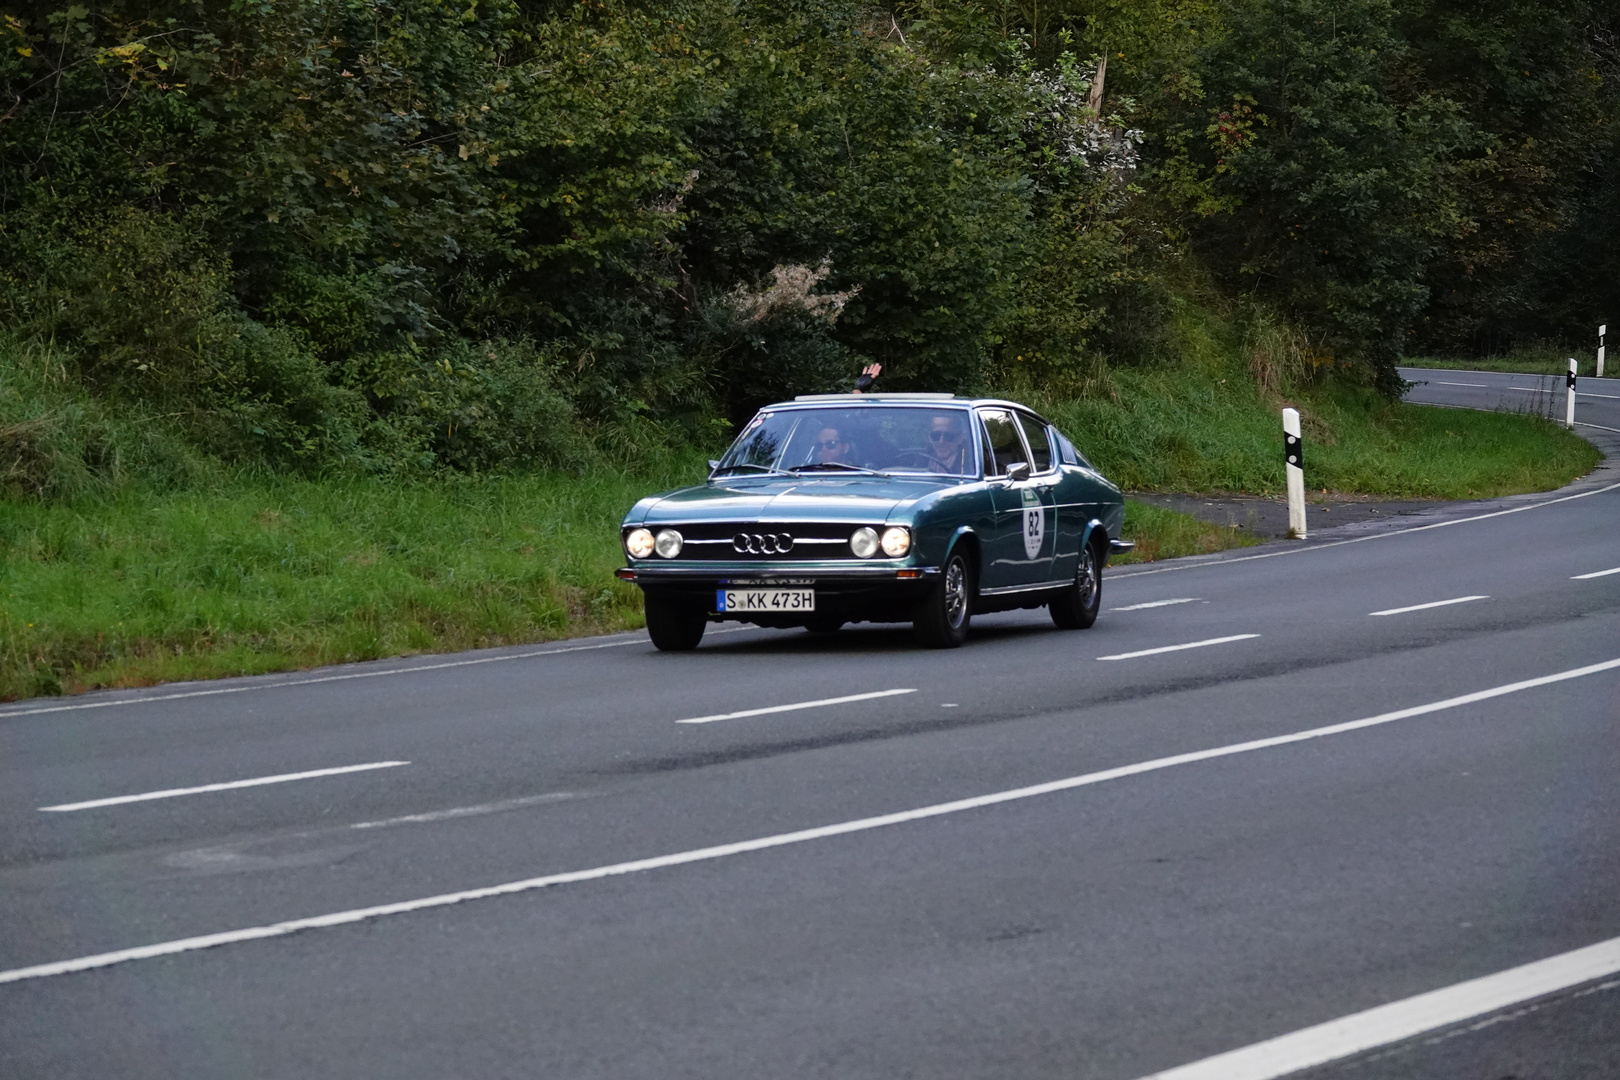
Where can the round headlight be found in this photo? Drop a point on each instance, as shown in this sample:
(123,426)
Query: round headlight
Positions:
(639,543)
(668,543)
(864,543)
(896,542)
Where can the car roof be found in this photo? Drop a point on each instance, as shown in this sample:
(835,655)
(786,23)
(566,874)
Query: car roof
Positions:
(901,399)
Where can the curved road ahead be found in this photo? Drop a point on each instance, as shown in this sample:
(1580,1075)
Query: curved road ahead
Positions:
(1268,791)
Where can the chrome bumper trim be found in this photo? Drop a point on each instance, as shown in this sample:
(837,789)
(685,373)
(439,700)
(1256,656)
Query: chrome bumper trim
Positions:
(760,573)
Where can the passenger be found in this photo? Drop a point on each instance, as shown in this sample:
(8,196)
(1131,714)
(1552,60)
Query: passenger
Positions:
(831,448)
(947,444)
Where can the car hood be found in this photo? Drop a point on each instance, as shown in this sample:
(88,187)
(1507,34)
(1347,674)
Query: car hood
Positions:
(818,498)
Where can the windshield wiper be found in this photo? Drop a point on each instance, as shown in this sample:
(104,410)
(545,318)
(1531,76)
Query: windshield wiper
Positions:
(837,465)
(749,465)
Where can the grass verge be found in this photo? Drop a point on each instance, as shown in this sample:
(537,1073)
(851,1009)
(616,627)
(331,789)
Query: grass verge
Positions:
(266,575)
(1168,534)
(1519,364)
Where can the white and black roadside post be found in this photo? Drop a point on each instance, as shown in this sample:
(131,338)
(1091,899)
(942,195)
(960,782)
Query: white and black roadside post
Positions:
(1569,383)
(1294,464)
(1604,329)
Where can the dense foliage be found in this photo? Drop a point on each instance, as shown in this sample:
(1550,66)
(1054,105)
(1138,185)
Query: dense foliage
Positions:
(394,235)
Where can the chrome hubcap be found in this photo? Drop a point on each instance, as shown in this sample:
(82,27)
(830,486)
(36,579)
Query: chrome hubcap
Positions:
(955,593)
(1086,580)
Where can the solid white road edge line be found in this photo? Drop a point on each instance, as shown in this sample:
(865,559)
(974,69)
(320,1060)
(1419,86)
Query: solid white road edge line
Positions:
(1400,1020)
(720,851)
(1430,604)
(797,705)
(259,781)
(1156,603)
(1178,648)
(639,640)
(1600,573)
(1442,382)
(1600,427)
(1375,536)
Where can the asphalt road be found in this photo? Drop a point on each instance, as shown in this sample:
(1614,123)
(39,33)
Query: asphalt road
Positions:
(1129,921)
(1597,401)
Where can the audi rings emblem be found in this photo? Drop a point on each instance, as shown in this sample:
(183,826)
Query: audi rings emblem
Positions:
(762,543)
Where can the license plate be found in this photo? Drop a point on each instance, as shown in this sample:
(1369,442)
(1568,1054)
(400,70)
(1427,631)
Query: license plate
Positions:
(765,600)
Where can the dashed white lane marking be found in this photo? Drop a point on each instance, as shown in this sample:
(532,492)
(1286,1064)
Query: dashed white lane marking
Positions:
(467,811)
(720,851)
(1400,1020)
(1156,603)
(1430,604)
(798,705)
(1178,648)
(1442,382)
(1598,573)
(1375,536)
(258,781)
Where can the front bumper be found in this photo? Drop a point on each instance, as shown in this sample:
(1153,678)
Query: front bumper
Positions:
(883,593)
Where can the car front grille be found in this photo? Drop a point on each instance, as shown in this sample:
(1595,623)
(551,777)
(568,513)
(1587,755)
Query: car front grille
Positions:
(764,541)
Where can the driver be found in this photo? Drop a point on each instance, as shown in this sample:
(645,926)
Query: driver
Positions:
(947,444)
(832,448)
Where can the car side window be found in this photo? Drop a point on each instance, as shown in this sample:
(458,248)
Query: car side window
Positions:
(1040,448)
(1003,447)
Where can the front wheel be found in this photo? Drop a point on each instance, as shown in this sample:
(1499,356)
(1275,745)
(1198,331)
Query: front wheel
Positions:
(672,627)
(942,615)
(1076,607)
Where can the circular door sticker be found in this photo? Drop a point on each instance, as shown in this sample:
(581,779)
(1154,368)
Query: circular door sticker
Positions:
(1034,524)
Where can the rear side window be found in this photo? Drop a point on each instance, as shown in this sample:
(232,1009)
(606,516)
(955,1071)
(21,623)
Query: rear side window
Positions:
(1003,447)
(1071,456)
(1040,449)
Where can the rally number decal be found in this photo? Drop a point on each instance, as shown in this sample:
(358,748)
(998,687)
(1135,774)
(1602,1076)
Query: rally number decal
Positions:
(1034,524)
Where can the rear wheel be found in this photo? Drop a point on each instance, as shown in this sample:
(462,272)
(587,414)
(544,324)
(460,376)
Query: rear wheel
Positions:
(672,627)
(1076,607)
(942,615)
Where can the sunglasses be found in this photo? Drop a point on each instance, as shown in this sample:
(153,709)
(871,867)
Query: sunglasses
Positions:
(830,444)
(945,436)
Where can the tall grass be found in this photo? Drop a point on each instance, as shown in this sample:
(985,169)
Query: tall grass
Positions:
(263,574)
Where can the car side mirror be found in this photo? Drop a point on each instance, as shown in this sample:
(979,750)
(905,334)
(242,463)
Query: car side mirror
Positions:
(713,464)
(1018,470)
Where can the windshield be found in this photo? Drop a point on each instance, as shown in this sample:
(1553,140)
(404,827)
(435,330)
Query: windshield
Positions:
(925,440)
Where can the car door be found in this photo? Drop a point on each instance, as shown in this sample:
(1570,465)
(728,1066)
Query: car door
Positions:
(1047,480)
(1019,551)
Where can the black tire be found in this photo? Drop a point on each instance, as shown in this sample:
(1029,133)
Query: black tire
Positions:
(1076,607)
(672,627)
(943,614)
(826,625)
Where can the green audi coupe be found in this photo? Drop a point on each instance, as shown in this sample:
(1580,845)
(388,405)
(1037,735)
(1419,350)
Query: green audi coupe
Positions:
(839,508)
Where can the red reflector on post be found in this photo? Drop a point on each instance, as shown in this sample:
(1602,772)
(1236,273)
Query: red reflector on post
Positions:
(625,575)
(905,575)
